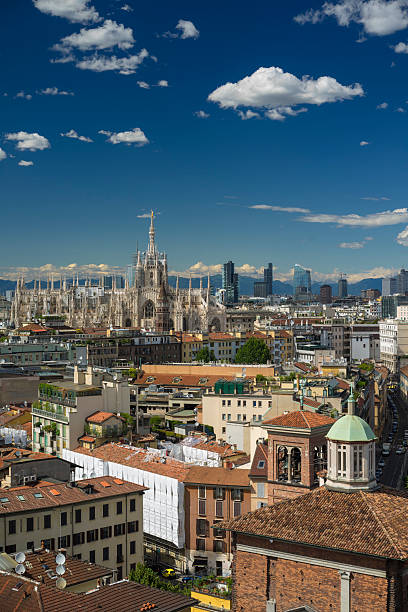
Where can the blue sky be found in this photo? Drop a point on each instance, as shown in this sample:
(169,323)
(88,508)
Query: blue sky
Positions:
(82,201)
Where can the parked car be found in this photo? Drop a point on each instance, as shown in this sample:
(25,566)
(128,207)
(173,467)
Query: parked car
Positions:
(169,573)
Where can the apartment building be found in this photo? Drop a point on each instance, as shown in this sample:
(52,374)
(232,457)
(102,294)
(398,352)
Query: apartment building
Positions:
(211,496)
(99,520)
(393,343)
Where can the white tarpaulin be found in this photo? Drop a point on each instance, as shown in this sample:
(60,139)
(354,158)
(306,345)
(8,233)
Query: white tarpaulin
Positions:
(16,436)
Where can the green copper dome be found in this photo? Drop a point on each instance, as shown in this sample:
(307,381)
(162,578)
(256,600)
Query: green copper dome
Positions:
(351,428)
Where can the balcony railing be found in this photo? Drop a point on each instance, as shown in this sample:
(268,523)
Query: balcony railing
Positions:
(65,401)
(49,414)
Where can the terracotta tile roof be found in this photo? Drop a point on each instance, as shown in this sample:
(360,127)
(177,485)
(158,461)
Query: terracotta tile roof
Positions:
(302,366)
(342,384)
(135,457)
(217,476)
(61,494)
(285,334)
(225,450)
(33,327)
(308,401)
(220,336)
(303,419)
(87,439)
(101,417)
(77,571)
(259,469)
(371,523)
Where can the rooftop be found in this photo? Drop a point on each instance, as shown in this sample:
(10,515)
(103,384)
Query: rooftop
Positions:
(351,428)
(217,476)
(259,467)
(301,419)
(100,417)
(371,523)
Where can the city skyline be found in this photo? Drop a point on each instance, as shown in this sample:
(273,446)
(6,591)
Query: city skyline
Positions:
(119,109)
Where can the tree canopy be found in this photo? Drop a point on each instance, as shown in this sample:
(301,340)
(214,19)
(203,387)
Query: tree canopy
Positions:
(205,355)
(254,351)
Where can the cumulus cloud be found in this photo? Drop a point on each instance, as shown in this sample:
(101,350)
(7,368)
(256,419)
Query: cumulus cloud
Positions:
(402,237)
(68,271)
(54,91)
(382,106)
(162,83)
(110,34)
(126,8)
(201,114)
(135,137)
(400,110)
(76,136)
(364,143)
(187,29)
(400,48)
(29,142)
(22,94)
(248,114)
(377,17)
(278,92)
(123,65)
(143,84)
(3,154)
(290,209)
(387,217)
(23,162)
(76,11)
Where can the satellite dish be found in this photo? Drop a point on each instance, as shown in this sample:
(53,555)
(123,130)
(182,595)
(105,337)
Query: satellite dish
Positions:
(60,570)
(20,557)
(60,559)
(20,569)
(61,583)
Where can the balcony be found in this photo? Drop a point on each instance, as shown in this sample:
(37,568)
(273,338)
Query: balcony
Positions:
(49,414)
(64,401)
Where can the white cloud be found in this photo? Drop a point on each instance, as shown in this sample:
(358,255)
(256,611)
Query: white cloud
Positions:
(278,92)
(22,162)
(143,84)
(402,237)
(364,143)
(21,94)
(135,136)
(162,83)
(76,11)
(76,136)
(54,91)
(187,29)
(110,34)
(382,106)
(400,110)
(375,199)
(3,154)
(65,59)
(351,245)
(123,65)
(290,209)
(201,114)
(127,8)
(378,17)
(248,115)
(400,48)
(387,217)
(68,271)
(29,142)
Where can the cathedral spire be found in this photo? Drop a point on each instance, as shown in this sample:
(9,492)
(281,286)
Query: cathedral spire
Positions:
(152,247)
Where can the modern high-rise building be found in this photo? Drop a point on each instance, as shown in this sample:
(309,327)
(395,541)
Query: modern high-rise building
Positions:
(230,283)
(268,279)
(260,289)
(389,286)
(402,282)
(342,289)
(325,294)
(302,282)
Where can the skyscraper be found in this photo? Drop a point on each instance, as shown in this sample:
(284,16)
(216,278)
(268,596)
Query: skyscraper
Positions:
(389,286)
(302,282)
(230,283)
(402,282)
(325,294)
(268,279)
(342,287)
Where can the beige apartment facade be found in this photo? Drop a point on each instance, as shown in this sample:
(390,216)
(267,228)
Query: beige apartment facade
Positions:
(99,520)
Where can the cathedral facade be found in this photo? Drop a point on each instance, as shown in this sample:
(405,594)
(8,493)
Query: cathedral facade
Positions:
(150,303)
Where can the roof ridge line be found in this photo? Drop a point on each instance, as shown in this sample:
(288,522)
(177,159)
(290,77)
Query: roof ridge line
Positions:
(380,521)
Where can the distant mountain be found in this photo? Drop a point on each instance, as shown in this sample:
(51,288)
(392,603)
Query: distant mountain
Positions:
(246,285)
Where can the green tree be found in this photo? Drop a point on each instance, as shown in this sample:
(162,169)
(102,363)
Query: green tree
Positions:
(205,355)
(253,351)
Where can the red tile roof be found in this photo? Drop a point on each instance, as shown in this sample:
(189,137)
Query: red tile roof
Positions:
(370,523)
(303,419)
(217,476)
(260,455)
(87,439)
(308,401)
(302,366)
(101,417)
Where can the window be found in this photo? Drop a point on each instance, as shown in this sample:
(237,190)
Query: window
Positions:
(77,516)
(92,513)
(63,519)
(237,494)
(30,546)
(261,464)
(132,507)
(202,493)
(218,533)
(261,504)
(119,553)
(358,461)
(91,556)
(105,554)
(259,417)
(223,402)
(200,544)
(64,541)
(254,404)
(229,417)
(223,430)
(30,524)
(119,507)
(132,549)
(224,416)
(78,538)
(47,521)
(219,508)
(237,508)
(133,526)
(244,403)
(218,546)
(105,510)
(238,417)
(21,497)
(92,535)
(11,548)
(202,507)
(12,527)
(239,403)
(202,528)
(219,493)
(132,566)
(341,460)
(244,417)
(106,532)
(260,489)
(38,495)
(119,529)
